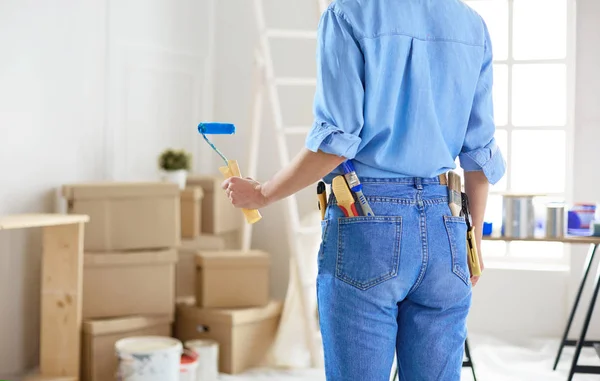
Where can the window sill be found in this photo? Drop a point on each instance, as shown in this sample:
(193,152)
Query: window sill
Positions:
(490,264)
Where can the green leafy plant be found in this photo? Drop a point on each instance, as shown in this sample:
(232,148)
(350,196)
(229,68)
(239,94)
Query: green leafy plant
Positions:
(174,160)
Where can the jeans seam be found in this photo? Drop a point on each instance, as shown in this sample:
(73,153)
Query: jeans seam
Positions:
(424,249)
(400,201)
(451,238)
(324,240)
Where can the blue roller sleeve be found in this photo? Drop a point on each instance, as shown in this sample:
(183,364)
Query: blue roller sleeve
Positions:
(216,128)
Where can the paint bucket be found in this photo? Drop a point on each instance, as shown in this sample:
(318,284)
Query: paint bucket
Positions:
(518,216)
(208,358)
(555,220)
(189,366)
(149,358)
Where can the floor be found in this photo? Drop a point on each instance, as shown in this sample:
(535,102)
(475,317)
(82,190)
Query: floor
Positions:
(495,360)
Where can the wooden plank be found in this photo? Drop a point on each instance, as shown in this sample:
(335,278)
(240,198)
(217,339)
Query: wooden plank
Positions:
(62,275)
(20,221)
(566,239)
(36,376)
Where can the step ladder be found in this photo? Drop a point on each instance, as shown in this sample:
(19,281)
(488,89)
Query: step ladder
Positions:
(270,85)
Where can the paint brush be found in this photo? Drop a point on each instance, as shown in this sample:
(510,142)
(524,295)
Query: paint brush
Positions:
(344,197)
(356,186)
(322,197)
(454,193)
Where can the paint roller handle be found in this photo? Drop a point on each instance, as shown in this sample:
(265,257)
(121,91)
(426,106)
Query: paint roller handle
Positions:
(252,215)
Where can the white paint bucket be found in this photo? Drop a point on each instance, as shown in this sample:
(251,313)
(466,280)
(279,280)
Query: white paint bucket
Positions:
(148,358)
(208,358)
(189,365)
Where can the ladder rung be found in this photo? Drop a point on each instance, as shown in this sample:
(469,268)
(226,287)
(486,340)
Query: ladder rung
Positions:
(296,81)
(291,33)
(295,130)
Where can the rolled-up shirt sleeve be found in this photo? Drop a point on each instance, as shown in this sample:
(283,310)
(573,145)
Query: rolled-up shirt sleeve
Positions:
(339,97)
(480,151)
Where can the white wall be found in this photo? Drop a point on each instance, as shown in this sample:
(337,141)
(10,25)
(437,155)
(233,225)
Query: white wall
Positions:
(587,136)
(88,91)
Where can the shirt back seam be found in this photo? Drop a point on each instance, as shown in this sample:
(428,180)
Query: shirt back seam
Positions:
(430,39)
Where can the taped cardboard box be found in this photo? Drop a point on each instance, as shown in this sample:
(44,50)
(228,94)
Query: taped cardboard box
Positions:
(131,283)
(127,216)
(218,215)
(185,289)
(191,210)
(98,359)
(245,335)
(232,279)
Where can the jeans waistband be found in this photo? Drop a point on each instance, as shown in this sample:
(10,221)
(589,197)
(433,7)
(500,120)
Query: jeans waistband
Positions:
(417,181)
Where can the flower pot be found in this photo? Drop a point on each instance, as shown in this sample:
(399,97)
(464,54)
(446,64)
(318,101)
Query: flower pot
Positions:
(179,177)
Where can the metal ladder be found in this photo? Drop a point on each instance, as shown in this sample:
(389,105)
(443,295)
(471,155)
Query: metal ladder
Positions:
(270,85)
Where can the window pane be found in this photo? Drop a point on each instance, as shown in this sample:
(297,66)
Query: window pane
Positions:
(495,14)
(502,141)
(536,249)
(540,29)
(501,94)
(493,213)
(538,161)
(539,95)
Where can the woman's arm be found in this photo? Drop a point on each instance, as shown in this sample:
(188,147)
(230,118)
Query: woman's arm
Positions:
(307,168)
(476,188)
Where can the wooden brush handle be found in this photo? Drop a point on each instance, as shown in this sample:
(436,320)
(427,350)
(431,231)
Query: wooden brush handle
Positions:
(252,215)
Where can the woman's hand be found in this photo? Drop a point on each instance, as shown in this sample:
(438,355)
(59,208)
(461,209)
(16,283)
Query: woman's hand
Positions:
(305,169)
(245,193)
(475,279)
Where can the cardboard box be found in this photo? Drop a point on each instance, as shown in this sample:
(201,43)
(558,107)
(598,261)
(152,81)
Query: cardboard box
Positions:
(218,215)
(232,279)
(244,335)
(185,288)
(36,376)
(98,359)
(233,240)
(191,202)
(127,216)
(119,284)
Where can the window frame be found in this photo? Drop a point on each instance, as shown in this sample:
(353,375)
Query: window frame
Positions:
(569,128)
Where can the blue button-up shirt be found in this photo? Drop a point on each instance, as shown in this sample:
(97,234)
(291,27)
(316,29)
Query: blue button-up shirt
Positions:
(404,88)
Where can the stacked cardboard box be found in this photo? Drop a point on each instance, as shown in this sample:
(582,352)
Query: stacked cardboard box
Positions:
(129,265)
(230,302)
(209,223)
(232,307)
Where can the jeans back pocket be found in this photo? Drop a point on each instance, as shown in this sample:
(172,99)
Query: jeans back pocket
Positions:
(368,250)
(457,235)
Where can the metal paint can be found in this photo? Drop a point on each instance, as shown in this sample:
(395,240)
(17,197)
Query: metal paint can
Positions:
(555,220)
(518,216)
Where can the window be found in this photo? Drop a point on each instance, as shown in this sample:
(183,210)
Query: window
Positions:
(533,78)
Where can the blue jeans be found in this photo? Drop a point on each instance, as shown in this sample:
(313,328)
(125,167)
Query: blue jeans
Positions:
(397,282)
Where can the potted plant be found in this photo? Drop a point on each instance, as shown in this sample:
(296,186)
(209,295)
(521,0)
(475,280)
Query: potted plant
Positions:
(175,165)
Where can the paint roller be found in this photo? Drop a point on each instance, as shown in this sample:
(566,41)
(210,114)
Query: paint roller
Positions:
(231,167)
